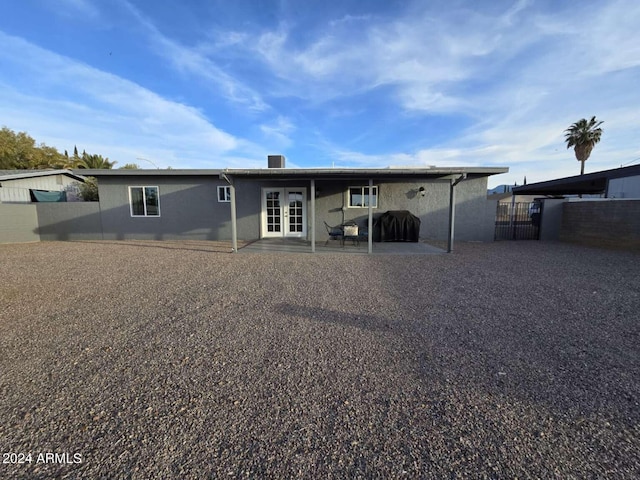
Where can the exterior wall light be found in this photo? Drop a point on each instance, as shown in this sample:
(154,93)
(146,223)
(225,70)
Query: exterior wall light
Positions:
(422,191)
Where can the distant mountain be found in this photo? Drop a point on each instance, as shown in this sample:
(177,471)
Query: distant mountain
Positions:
(500,189)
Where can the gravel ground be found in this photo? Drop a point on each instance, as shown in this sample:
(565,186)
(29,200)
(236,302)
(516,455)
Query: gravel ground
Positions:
(176,360)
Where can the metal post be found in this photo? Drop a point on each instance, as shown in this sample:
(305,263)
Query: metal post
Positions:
(313,216)
(370,220)
(452,209)
(452,214)
(512,226)
(234,227)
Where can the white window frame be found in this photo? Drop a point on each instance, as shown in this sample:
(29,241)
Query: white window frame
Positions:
(144,200)
(362,188)
(227,193)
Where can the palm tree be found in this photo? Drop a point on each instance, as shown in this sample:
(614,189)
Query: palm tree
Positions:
(582,136)
(94,161)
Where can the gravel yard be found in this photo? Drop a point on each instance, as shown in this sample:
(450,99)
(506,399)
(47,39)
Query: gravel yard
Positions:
(177,360)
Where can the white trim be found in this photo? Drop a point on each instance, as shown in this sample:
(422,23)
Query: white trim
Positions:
(227,195)
(375,189)
(284,213)
(144,203)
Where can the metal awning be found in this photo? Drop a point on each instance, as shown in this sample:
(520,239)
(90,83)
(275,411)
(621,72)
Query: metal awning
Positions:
(595,183)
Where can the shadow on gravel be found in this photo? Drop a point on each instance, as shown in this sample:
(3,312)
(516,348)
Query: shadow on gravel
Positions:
(186,245)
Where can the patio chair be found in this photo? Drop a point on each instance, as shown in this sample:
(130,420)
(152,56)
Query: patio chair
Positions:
(335,233)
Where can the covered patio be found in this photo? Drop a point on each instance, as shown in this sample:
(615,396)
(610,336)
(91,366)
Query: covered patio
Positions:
(313,180)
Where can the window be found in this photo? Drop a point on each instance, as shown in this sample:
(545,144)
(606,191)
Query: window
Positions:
(359,197)
(224,193)
(145,201)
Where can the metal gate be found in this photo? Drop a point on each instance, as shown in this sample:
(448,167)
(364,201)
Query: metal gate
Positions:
(518,221)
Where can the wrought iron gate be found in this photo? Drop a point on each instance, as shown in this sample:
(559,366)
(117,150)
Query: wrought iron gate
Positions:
(518,221)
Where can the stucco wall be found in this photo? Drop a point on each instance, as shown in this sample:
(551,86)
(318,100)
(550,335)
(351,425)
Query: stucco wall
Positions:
(69,221)
(474,215)
(604,223)
(18,223)
(189,209)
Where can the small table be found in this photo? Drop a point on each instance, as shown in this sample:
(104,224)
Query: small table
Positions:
(350,232)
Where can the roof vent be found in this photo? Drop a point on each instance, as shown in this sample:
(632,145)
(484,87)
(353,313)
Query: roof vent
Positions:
(276,161)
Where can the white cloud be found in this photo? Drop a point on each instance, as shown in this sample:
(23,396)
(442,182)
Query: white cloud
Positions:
(278,132)
(72,8)
(195,61)
(103,113)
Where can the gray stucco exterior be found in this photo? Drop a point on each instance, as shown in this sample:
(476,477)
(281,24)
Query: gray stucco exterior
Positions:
(189,206)
(69,221)
(18,223)
(188,209)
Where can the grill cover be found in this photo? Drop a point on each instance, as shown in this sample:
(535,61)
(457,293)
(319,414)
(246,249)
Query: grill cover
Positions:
(397,226)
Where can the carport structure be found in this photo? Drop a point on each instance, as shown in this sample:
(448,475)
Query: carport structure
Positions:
(595,183)
(369,178)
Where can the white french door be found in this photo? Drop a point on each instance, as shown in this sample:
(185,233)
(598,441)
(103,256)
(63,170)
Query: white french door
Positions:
(284,212)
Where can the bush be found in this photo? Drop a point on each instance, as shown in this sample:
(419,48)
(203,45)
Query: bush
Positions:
(89,190)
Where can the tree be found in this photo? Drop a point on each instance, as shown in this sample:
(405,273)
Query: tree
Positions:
(18,151)
(94,161)
(89,190)
(583,136)
(130,166)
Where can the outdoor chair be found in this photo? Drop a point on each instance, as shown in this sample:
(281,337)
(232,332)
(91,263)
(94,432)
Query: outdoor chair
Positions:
(335,233)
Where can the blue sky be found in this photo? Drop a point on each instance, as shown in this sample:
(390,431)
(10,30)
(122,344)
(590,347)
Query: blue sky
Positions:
(212,84)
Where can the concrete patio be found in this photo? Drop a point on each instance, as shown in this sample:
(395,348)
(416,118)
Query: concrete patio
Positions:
(293,245)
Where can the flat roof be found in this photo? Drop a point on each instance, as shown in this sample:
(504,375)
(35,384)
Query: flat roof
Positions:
(362,172)
(303,172)
(589,183)
(125,172)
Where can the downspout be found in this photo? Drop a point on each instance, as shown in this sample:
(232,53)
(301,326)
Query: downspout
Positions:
(452,209)
(234,226)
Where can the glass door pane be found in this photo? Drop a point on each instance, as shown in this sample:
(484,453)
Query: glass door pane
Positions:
(274,219)
(296,217)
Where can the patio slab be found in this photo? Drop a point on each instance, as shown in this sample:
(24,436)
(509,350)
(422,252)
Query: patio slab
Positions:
(294,245)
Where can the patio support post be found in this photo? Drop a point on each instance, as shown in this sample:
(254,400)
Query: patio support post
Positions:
(313,216)
(452,215)
(452,209)
(234,226)
(370,220)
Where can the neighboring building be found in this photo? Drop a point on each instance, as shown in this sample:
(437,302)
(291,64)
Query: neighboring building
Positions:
(22,186)
(623,182)
(599,208)
(250,204)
